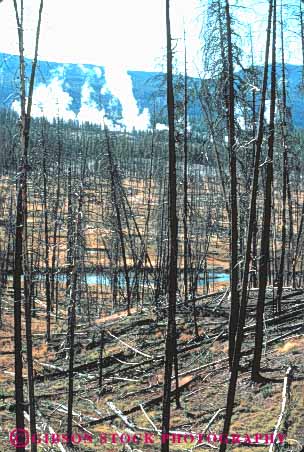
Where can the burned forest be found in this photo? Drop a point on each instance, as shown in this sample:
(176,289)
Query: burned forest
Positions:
(152,278)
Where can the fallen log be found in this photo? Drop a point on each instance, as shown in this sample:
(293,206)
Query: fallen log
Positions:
(79,369)
(135,408)
(122,416)
(284,407)
(51,430)
(128,345)
(159,398)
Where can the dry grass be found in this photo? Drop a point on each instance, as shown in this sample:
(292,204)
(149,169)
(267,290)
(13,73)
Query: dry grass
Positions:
(294,345)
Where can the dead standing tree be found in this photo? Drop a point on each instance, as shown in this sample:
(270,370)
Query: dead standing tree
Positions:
(233,192)
(46,235)
(251,224)
(220,31)
(77,243)
(20,252)
(285,175)
(265,240)
(115,199)
(170,353)
(185,212)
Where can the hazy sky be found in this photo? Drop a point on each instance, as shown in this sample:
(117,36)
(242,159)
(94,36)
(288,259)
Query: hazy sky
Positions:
(129,33)
(125,33)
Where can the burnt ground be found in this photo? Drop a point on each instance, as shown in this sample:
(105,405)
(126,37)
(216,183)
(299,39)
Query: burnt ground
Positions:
(130,400)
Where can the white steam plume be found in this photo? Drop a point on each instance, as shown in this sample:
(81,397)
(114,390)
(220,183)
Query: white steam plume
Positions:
(89,110)
(50,101)
(119,84)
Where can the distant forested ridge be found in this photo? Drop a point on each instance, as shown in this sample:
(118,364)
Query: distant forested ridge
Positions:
(84,88)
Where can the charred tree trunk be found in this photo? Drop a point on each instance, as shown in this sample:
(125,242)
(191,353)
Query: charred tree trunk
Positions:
(119,222)
(47,246)
(170,352)
(101,350)
(285,174)
(265,240)
(235,306)
(56,227)
(185,216)
(20,254)
(251,221)
(72,316)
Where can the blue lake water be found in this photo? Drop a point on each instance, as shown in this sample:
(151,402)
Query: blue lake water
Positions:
(105,280)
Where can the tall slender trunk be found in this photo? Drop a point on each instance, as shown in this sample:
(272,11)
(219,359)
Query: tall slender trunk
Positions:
(6,259)
(56,226)
(185,216)
(20,254)
(234,313)
(297,248)
(254,144)
(101,350)
(47,245)
(285,171)
(265,240)
(170,351)
(251,221)
(72,314)
(119,222)
(70,229)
